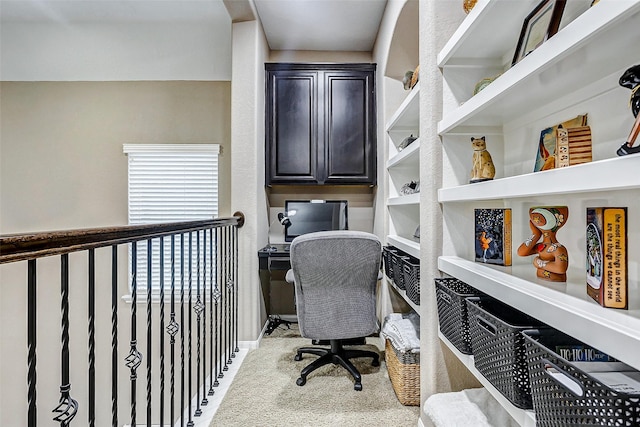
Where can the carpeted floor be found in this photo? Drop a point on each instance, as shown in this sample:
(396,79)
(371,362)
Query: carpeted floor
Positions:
(264,391)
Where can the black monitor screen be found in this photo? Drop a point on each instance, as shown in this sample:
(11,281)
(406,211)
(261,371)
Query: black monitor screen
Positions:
(308,216)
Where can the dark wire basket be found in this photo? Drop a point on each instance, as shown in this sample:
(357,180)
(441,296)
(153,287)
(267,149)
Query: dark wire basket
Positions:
(387,254)
(451,297)
(498,347)
(411,268)
(564,395)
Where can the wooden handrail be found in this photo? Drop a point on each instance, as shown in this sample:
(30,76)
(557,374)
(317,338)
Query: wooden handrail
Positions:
(20,247)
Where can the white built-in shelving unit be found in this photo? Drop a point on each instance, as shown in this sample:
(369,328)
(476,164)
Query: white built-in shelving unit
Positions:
(403,167)
(574,72)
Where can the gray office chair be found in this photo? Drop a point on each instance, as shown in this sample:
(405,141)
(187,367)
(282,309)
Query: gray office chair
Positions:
(335,275)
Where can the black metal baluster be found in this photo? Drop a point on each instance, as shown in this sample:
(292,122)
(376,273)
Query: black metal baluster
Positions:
(198,309)
(182,382)
(149,351)
(32,298)
(204,318)
(218,297)
(190,422)
(212,355)
(229,299)
(134,359)
(172,328)
(225,297)
(114,336)
(92,337)
(161,329)
(236,287)
(67,406)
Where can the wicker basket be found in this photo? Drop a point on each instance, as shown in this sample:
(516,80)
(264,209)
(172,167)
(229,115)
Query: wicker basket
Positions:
(404,372)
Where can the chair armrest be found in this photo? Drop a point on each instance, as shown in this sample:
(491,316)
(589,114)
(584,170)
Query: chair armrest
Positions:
(289,277)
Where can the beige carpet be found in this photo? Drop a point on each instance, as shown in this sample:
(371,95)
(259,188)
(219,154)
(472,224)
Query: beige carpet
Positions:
(264,391)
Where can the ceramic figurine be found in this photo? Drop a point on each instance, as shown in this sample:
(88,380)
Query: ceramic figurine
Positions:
(551,257)
(631,80)
(482,168)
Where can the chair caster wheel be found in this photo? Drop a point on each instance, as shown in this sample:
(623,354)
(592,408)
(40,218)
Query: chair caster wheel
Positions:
(297,357)
(301,381)
(357,386)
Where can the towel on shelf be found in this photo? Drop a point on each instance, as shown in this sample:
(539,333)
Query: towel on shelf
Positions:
(472,407)
(403,330)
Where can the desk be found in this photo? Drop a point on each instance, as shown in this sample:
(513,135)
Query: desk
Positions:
(273,264)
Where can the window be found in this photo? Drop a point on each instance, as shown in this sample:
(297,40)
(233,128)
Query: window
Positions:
(169,183)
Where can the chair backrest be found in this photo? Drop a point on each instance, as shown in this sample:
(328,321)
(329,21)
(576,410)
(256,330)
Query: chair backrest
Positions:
(335,274)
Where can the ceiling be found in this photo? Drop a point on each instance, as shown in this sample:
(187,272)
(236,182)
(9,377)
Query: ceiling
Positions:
(342,25)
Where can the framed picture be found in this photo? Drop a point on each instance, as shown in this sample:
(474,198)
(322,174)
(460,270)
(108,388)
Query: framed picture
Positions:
(542,23)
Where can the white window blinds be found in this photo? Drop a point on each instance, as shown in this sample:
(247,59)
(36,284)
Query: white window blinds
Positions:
(170,183)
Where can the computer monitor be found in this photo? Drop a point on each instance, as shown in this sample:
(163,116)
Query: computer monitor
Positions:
(308,216)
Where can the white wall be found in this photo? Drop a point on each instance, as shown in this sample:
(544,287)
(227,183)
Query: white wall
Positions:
(247,180)
(109,51)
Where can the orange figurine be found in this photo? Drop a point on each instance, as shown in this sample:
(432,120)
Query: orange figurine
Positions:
(552,259)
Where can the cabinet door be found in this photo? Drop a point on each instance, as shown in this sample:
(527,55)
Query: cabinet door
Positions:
(292,127)
(349,139)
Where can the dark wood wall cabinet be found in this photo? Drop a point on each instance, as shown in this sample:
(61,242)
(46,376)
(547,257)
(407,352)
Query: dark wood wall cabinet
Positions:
(320,124)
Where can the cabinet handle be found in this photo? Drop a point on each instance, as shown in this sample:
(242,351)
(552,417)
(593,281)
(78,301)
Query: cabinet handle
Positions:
(490,328)
(562,378)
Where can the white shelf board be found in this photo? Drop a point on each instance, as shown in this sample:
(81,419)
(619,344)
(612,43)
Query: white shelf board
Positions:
(407,116)
(564,306)
(410,199)
(404,296)
(576,56)
(494,20)
(409,156)
(526,418)
(409,246)
(603,175)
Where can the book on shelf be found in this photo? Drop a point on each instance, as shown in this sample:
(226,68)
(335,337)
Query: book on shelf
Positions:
(493,236)
(606,261)
(546,156)
(582,353)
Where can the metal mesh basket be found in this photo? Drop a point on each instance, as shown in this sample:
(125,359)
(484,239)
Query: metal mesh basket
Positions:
(498,347)
(387,254)
(564,395)
(451,297)
(411,269)
(397,266)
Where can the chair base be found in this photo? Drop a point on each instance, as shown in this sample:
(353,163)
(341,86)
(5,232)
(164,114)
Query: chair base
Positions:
(338,356)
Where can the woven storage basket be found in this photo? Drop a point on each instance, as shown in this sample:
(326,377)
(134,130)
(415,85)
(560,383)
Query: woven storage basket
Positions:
(590,403)
(404,372)
(498,347)
(387,255)
(398,265)
(451,297)
(411,271)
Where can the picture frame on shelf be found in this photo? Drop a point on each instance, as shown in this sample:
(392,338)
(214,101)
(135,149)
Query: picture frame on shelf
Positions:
(541,24)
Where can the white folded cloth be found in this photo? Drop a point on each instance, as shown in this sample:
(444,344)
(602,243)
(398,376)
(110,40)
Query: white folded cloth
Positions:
(473,407)
(401,330)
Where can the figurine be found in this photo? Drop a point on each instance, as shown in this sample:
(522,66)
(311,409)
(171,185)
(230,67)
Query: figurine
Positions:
(552,259)
(482,166)
(631,79)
